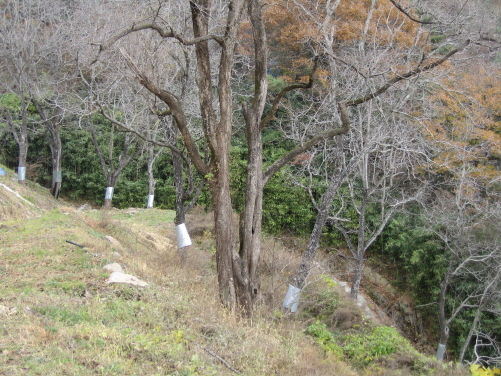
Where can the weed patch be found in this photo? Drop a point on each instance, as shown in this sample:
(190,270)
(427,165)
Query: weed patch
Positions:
(64,315)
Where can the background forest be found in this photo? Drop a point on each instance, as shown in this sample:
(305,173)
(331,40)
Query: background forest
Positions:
(372,127)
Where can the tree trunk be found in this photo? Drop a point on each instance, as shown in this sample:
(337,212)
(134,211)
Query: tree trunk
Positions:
(248,285)
(177,163)
(54,139)
(467,341)
(299,278)
(358,275)
(486,298)
(22,140)
(23,155)
(360,251)
(108,197)
(442,321)
(56,148)
(107,203)
(223,233)
(151,178)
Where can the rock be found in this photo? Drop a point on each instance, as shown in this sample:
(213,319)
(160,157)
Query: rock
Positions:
(114,267)
(119,277)
(7,311)
(154,241)
(114,242)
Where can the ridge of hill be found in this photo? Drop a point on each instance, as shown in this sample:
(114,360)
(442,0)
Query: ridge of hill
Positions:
(61,316)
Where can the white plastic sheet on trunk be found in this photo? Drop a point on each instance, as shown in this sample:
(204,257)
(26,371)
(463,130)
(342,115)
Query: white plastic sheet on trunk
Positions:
(440,351)
(109,193)
(150,201)
(21,173)
(57,176)
(291,300)
(183,238)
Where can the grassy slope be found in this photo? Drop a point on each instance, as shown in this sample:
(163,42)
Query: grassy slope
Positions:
(59,317)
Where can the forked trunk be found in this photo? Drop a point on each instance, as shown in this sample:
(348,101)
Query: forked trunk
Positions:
(248,286)
(223,233)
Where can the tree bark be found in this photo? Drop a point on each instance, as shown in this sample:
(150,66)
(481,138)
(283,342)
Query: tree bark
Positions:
(442,320)
(151,177)
(301,274)
(56,147)
(360,251)
(21,137)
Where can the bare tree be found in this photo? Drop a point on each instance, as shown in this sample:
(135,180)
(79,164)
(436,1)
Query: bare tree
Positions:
(384,157)
(213,35)
(30,48)
(52,118)
(374,166)
(463,219)
(113,166)
(489,296)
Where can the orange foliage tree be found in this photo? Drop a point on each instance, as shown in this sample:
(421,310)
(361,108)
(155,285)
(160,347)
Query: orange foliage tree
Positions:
(467,126)
(299,29)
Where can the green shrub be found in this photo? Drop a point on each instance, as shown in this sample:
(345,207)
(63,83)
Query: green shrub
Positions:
(325,338)
(321,301)
(362,348)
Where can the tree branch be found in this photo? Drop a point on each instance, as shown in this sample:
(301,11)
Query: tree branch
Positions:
(345,126)
(226,364)
(164,32)
(140,135)
(412,18)
(406,75)
(342,109)
(177,112)
(284,91)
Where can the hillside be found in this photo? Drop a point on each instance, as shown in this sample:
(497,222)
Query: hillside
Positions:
(60,316)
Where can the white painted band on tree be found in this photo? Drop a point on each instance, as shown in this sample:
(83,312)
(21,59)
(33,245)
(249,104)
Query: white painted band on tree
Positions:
(291,300)
(109,193)
(440,351)
(57,176)
(183,238)
(150,201)
(21,173)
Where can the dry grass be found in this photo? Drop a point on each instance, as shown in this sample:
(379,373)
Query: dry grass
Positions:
(63,319)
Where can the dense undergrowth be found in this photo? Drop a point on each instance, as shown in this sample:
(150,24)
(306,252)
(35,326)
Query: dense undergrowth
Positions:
(60,317)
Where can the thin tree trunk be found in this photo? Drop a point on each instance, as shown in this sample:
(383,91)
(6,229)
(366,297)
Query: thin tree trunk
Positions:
(56,149)
(23,155)
(442,321)
(151,178)
(22,140)
(360,252)
(300,276)
(486,298)
(177,163)
(467,341)
(54,139)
